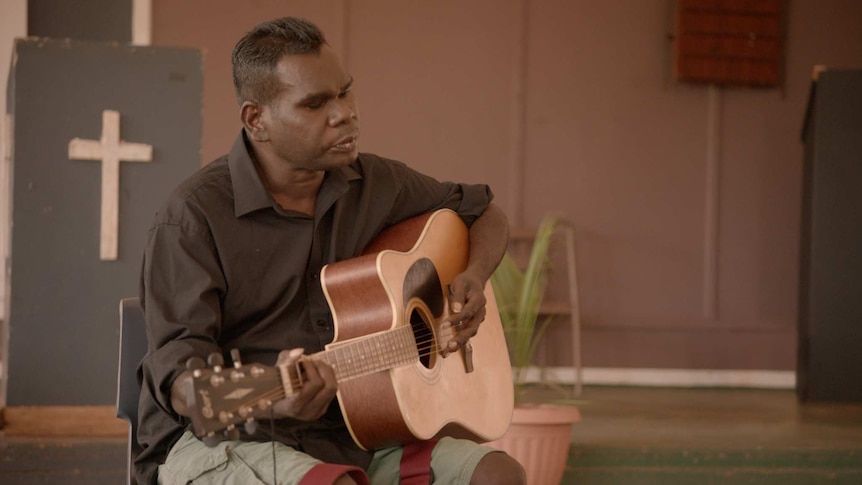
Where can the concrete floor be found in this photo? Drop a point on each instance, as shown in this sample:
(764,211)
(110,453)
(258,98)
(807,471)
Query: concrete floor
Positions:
(649,435)
(638,436)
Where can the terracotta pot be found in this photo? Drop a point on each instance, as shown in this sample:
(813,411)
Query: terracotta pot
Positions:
(539,439)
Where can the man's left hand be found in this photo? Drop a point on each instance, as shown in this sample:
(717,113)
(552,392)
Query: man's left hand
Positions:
(467,310)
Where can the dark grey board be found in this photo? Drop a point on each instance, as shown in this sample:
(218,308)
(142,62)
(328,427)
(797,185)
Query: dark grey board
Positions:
(830,306)
(63,310)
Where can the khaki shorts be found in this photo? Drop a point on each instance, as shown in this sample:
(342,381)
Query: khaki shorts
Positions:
(238,462)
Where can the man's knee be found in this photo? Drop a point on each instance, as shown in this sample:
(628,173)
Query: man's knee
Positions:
(499,469)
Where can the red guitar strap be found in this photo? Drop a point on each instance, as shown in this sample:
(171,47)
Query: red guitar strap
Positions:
(416,463)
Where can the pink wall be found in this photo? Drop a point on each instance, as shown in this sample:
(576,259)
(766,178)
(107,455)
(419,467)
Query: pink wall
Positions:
(685,199)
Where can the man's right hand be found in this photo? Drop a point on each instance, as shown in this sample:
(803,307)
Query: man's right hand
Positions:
(310,403)
(318,388)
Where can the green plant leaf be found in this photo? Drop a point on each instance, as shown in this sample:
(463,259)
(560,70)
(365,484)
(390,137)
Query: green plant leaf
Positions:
(519,295)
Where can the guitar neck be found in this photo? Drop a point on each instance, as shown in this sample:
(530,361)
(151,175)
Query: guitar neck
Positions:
(359,357)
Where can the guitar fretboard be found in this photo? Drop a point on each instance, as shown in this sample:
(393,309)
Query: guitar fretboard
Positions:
(367,355)
(382,351)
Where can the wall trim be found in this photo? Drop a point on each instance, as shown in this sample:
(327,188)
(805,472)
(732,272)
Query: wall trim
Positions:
(518,124)
(62,421)
(102,420)
(342,21)
(13,24)
(758,379)
(712,204)
(142,22)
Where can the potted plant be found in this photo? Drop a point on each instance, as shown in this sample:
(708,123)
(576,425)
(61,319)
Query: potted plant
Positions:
(540,433)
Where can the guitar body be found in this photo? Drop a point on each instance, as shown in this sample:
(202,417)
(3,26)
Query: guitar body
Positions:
(401,280)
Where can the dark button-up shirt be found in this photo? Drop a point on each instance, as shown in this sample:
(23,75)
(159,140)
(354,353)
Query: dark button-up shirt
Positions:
(226,267)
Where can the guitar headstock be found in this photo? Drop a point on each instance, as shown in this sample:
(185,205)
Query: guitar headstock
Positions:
(223,398)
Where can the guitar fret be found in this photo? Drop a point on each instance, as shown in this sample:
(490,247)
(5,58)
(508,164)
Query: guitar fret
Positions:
(391,344)
(357,356)
(361,356)
(374,351)
(377,351)
(393,348)
(396,347)
(355,362)
(411,351)
(407,341)
(365,356)
(339,369)
(342,368)
(408,349)
(369,361)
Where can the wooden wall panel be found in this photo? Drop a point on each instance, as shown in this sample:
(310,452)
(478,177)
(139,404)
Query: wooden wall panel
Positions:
(434,81)
(630,149)
(215,26)
(13,24)
(613,145)
(685,198)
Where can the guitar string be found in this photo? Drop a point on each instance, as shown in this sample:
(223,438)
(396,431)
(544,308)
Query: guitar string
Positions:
(426,348)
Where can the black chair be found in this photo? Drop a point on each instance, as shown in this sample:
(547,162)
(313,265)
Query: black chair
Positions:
(133,346)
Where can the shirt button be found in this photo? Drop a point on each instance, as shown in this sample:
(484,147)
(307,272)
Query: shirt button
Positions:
(314,276)
(321,323)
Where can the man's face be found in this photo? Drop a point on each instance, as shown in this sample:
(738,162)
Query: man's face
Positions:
(313,123)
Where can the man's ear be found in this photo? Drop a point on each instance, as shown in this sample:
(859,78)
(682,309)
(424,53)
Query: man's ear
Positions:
(251,114)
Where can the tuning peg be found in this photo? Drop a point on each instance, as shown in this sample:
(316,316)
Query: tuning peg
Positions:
(250,426)
(216,361)
(216,379)
(234,356)
(195,363)
(232,433)
(211,439)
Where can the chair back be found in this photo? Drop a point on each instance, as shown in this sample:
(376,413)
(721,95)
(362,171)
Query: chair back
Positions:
(133,347)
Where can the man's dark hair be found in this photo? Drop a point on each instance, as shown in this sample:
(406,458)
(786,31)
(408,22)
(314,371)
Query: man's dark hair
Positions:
(256,55)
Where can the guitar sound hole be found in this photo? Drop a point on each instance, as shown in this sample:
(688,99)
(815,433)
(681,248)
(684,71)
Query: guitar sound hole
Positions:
(424,337)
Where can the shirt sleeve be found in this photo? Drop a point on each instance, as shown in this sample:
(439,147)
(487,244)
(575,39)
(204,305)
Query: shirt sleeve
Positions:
(419,193)
(181,286)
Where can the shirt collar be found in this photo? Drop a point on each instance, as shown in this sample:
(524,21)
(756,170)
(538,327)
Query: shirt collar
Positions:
(250,194)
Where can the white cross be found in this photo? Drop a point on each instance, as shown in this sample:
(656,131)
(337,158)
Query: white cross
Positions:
(110,150)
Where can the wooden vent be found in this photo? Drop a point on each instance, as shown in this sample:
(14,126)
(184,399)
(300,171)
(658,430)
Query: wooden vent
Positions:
(729,42)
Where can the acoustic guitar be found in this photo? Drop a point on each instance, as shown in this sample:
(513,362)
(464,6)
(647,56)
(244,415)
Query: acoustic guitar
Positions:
(394,387)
